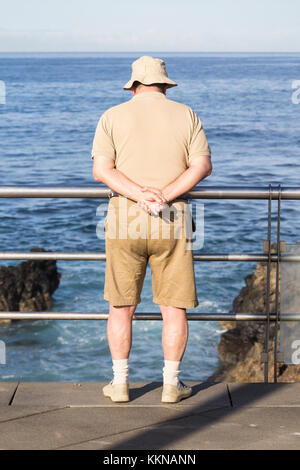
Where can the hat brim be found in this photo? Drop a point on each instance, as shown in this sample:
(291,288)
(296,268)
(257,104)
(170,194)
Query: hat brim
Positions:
(167,81)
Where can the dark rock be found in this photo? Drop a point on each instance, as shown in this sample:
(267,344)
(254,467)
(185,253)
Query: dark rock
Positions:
(241,345)
(28,287)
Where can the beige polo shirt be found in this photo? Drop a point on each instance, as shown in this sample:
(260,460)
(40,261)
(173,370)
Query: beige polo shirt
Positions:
(151,138)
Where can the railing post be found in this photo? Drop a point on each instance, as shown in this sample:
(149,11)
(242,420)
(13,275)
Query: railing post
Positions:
(265,357)
(277,285)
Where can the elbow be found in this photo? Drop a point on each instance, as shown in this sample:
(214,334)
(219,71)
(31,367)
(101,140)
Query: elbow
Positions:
(209,170)
(98,176)
(102,172)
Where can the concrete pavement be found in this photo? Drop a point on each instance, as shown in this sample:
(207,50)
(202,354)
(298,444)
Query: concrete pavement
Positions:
(217,416)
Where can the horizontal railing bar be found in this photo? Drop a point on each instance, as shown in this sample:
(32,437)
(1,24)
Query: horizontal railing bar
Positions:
(49,191)
(207,192)
(241,192)
(143,316)
(6,255)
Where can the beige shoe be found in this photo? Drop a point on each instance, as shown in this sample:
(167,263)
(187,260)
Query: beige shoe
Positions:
(173,394)
(116,392)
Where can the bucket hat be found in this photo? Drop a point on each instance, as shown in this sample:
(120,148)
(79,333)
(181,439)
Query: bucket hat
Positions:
(148,70)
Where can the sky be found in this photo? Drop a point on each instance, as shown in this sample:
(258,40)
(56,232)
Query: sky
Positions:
(157,25)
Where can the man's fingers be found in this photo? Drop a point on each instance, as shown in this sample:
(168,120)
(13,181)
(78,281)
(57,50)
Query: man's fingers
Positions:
(144,206)
(156,194)
(151,197)
(155,208)
(151,207)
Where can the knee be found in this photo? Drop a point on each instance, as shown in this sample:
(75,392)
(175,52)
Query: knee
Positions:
(123,310)
(172,314)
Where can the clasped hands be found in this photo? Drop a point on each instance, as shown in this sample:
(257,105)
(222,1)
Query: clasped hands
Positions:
(152,200)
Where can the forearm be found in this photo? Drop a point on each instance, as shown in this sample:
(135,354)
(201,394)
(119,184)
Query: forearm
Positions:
(185,182)
(117,181)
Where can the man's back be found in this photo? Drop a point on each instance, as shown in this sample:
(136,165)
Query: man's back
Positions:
(151,138)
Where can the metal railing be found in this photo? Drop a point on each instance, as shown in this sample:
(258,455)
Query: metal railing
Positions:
(239,192)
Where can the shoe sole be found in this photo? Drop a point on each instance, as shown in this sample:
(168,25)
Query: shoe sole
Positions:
(172,400)
(122,399)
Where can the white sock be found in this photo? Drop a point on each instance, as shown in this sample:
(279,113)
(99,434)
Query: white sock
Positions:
(121,371)
(171,372)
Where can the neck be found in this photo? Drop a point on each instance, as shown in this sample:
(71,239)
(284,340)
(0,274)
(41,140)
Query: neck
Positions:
(146,89)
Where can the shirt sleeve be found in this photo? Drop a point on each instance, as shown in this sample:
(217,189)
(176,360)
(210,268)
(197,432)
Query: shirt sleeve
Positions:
(198,144)
(103,145)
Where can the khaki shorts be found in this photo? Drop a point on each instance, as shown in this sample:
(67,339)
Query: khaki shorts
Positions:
(133,237)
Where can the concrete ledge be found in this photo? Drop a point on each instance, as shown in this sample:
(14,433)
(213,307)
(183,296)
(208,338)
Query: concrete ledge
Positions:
(7,390)
(89,394)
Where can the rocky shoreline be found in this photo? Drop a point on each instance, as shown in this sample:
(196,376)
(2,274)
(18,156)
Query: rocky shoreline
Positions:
(241,345)
(28,287)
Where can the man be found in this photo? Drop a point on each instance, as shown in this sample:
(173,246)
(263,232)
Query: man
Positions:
(150,151)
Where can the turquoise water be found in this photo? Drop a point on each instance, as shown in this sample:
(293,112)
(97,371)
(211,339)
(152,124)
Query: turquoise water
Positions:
(53,103)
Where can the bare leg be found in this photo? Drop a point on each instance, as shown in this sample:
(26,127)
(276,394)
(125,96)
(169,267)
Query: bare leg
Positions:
(119,331)
(174,332)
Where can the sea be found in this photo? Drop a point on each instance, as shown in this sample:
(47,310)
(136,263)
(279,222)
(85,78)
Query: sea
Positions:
(50,104)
